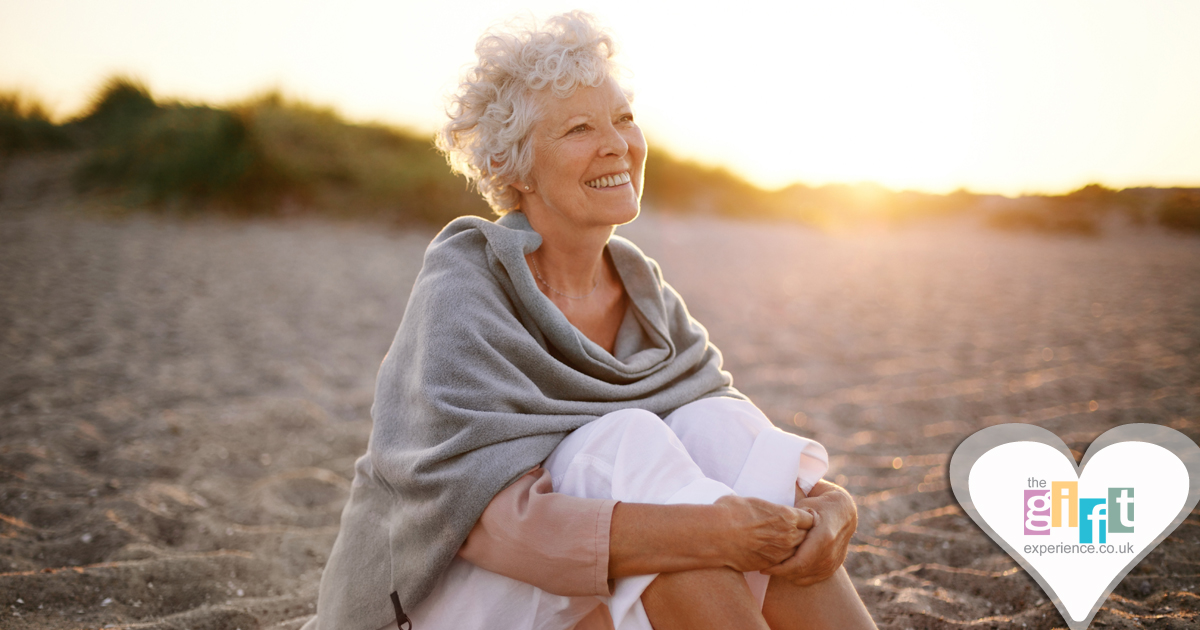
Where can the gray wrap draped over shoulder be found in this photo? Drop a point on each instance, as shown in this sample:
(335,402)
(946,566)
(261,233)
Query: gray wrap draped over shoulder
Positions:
(484,378)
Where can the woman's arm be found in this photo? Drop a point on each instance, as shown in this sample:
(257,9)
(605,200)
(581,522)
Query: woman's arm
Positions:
(556,542)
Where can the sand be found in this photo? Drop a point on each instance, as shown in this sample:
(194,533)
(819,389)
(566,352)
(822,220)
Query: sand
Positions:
(182,400)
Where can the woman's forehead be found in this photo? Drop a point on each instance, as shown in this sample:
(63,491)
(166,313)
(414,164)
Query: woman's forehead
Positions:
(586,101)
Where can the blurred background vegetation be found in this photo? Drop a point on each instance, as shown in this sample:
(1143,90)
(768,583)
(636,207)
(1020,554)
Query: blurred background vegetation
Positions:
(271,155)
(268,155)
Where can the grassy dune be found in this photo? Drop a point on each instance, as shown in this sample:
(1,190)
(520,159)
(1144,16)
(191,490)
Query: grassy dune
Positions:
(266,155)
(273,155)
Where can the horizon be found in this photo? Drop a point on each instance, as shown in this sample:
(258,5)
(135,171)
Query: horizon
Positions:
(290,100)
(921,96)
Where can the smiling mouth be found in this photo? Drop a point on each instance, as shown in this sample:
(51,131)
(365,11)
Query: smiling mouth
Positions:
(609,180)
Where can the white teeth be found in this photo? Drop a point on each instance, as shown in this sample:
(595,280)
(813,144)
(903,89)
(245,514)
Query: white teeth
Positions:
(610,180)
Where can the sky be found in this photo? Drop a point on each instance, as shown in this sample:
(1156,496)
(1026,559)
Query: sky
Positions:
(997,97)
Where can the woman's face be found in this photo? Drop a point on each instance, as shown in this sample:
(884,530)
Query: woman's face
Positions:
(588,159)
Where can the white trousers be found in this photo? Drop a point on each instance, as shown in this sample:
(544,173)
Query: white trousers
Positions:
(701,452)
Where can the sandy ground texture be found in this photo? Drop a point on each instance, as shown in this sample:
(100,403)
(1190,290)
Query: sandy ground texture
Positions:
(181,401)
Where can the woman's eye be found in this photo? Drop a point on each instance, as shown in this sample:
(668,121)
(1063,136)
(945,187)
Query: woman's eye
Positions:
(579,128)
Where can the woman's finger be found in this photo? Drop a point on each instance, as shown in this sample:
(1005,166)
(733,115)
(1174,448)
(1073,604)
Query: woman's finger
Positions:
(807,554)
(824,549)
(805,518)
(766,534)
(813,560)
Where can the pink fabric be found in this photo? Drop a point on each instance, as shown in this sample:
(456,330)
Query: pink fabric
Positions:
(556,542)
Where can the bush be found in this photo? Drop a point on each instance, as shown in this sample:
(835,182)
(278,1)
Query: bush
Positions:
(265,155)
(1181,211)
(175,153)
(678,185)
(172,152)
(1047,214)
(25,126)
(311,155)
(118,110)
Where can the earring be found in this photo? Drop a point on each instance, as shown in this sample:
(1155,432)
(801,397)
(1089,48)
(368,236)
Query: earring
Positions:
(527,189)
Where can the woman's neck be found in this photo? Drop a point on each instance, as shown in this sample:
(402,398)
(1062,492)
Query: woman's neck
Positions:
(571,262)
(573,271)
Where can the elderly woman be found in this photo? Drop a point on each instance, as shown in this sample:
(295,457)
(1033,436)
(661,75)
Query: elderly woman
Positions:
(555,444)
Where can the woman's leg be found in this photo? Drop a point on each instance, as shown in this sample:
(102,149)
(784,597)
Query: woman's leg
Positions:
(734,443)
(632,456)
(832,604)
(710,598)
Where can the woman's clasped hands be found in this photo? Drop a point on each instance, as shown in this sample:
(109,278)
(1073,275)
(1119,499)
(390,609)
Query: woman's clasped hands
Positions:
(760,534)
(804,544)
(826,543)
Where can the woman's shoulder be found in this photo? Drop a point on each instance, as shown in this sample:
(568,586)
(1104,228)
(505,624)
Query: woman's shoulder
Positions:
(461,244)
(457,274)
(472,241)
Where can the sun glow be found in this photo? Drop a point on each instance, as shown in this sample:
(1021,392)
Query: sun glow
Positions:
(933,95)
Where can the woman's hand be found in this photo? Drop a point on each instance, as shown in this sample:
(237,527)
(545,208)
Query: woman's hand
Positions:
(761,534)
(824,547)
(735,532)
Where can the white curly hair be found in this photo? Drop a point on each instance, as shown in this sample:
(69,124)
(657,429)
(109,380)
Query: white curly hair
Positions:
(494,108)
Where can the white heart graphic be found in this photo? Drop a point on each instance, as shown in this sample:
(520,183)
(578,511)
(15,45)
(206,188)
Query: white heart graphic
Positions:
(1076,538)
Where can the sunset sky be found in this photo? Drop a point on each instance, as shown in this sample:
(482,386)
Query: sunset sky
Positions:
(1004,97)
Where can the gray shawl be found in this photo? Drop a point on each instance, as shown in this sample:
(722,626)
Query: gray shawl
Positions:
(484,378)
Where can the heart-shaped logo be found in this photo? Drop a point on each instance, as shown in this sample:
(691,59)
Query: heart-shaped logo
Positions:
(1077,529)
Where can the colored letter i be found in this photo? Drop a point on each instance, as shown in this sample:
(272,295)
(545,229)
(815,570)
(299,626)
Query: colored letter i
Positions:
(1065,503)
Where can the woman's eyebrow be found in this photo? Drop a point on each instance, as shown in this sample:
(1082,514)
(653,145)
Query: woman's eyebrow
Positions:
(576,120)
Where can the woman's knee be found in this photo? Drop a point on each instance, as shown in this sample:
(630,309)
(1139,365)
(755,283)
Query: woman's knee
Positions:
(620,438)
(717,598)
(719,433)
(637,436)
(618,429)
(718,420)
(632,419)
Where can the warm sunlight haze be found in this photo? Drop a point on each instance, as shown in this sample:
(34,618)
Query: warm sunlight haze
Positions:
(998,97)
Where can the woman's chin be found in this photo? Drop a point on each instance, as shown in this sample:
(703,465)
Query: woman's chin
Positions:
(622,215)
(623,210)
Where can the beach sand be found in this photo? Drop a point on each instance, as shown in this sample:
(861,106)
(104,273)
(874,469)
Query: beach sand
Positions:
(182,401)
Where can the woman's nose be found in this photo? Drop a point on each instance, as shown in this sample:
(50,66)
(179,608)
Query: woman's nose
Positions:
(614,143)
